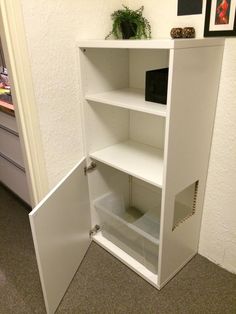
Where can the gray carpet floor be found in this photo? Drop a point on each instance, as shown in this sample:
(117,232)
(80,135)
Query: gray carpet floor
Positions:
(102,284)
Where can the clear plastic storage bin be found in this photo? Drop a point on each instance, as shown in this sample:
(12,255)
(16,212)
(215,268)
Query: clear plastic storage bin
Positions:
(135,232)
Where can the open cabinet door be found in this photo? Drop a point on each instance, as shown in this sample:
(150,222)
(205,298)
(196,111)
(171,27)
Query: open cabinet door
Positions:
(60,226)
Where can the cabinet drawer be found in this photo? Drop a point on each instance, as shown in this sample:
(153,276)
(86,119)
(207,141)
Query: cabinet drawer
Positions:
(8,121)
(14,178)
(10,146)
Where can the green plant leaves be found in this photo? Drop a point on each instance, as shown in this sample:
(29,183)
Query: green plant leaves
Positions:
(133,17)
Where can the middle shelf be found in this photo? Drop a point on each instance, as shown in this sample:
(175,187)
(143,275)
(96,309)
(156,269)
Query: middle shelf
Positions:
(129,98)
(138,160)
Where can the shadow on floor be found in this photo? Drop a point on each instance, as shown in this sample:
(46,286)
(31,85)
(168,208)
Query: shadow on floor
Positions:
(103,284)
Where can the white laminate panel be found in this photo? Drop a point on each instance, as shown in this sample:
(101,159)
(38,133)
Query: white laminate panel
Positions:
(152,44)
(189,125)
(60,225)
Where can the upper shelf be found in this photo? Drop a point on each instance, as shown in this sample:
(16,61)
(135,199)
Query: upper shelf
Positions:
(152,43)
(129,98)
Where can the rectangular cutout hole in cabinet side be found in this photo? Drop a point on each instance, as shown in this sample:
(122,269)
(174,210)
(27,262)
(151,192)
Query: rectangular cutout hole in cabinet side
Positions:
(185,204)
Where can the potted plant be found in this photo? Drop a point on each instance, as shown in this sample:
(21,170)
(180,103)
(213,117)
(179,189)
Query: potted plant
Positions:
(128,23)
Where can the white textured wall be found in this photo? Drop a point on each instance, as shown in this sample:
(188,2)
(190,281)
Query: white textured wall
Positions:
(218,232)
(52,27)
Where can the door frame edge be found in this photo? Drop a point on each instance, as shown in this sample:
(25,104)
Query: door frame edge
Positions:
(17,58)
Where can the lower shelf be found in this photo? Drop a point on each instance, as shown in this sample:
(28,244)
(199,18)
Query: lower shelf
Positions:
(126,259)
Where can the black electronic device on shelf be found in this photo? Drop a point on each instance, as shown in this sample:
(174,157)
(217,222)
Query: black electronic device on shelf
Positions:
(157,85)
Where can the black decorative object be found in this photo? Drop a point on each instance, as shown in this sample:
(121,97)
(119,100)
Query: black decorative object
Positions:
(220,19)
(156,85)
(189,7)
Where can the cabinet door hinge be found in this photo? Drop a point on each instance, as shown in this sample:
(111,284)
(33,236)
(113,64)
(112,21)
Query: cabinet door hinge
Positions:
(95,230)
(91,167)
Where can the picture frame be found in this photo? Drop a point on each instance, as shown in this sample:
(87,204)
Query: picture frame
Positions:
(220,18)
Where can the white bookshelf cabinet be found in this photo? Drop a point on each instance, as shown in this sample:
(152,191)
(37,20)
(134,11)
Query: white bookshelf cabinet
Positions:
(146,163)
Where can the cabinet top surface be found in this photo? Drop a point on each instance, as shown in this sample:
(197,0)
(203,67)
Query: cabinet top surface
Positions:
(152,43)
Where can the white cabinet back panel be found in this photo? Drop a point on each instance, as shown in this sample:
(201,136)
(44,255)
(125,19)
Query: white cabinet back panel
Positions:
(144,60)
(106,69)
(147,129)
(60,226)
(105,126)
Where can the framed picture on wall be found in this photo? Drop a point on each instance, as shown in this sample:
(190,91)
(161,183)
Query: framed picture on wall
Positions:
(220,18)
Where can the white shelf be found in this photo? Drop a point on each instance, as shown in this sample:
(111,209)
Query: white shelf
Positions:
(152,44)
(126,259)
(129,98)
(141,161)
